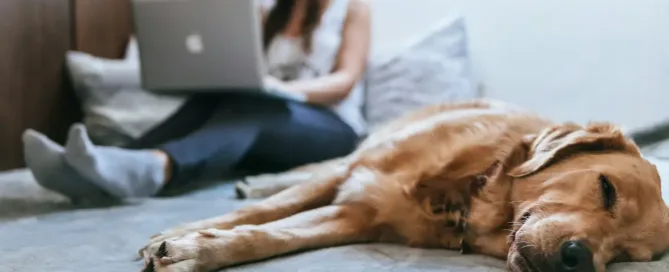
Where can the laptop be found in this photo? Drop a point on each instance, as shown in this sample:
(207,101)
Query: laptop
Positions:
(202,46)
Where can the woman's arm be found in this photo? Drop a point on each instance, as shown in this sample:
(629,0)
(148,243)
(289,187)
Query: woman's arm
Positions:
(351,62)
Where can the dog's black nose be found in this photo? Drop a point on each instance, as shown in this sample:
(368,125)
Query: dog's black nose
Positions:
(574,256)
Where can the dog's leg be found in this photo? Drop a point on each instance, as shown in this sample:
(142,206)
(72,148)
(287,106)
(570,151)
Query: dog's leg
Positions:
(211,249)
(262,186)
(313,194)
(495,244)
(266,185)
(490,209)
(489,205)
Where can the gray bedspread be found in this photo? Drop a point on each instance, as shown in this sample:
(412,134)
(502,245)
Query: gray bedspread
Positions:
(40,231)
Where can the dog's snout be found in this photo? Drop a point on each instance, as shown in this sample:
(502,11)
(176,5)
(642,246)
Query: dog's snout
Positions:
(574,256)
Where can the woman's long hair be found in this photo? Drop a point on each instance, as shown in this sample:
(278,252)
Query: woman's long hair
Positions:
(278,18)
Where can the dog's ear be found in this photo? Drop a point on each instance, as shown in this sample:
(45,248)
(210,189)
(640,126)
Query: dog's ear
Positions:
(559,141)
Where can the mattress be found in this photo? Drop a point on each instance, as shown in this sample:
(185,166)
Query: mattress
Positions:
(40,231)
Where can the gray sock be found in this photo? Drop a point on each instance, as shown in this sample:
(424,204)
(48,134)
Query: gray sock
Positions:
(46,161)
(121,172)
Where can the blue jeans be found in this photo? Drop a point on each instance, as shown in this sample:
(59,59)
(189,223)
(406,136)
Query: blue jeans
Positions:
(256,133)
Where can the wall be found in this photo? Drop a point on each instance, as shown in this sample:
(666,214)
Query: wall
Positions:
(574,60)
(102,27)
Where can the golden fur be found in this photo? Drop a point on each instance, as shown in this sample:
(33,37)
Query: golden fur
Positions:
(482,177)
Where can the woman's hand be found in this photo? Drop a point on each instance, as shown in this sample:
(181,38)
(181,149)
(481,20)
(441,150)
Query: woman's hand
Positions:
(281,88)
(275,83)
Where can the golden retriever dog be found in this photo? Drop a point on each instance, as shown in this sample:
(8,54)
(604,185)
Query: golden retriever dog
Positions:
(480,177)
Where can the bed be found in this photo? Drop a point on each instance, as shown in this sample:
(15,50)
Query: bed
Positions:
(42,231)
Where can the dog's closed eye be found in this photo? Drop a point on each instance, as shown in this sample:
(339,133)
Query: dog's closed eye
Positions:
(608,192)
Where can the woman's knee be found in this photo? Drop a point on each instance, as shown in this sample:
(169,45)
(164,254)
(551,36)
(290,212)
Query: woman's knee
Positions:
(305,145)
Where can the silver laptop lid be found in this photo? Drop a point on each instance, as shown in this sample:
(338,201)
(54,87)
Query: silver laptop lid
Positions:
(199,44)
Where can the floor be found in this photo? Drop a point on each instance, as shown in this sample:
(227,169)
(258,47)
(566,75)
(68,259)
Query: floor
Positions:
(40,231)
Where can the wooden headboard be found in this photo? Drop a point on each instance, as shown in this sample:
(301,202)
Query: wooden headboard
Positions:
(35,91)
(102,27)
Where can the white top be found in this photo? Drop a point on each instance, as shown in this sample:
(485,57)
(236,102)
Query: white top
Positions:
(286,60)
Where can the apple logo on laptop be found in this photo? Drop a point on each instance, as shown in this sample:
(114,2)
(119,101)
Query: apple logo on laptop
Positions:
(194,43)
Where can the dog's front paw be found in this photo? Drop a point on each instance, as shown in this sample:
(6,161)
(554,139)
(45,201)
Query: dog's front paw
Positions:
(173,232)
(155,265)
(193,252)
(170,234)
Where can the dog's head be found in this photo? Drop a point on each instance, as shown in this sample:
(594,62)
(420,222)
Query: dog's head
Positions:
(584,198)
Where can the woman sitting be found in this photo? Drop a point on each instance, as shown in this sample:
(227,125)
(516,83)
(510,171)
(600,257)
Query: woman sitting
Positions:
(317,48)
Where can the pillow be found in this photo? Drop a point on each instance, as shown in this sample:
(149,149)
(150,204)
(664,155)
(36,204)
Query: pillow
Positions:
(116,109)
(433,69)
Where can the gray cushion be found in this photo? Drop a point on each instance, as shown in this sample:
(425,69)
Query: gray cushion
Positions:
(434,68)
